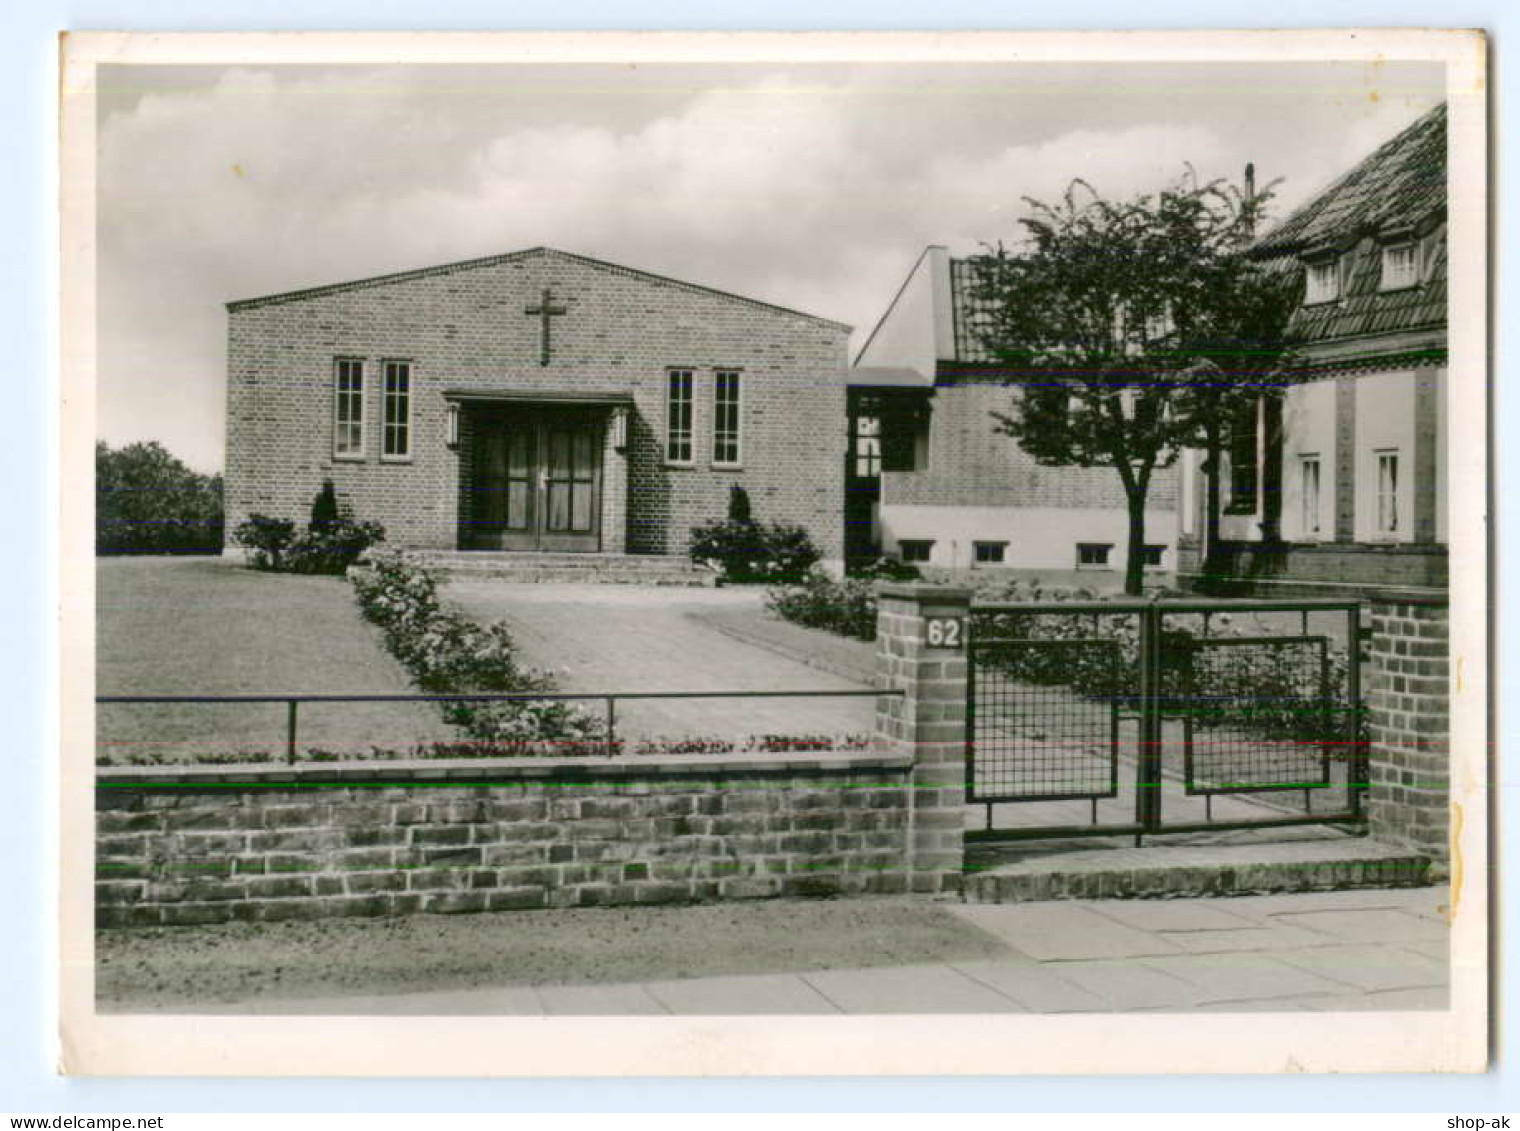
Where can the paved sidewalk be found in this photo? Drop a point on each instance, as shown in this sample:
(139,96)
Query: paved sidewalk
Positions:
(1332,951)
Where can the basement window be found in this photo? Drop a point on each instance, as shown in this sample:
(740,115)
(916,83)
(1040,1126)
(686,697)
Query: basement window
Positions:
(1093,555)
(989,553)
(915,549)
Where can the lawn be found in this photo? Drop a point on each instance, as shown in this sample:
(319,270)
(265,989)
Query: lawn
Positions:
(204,626)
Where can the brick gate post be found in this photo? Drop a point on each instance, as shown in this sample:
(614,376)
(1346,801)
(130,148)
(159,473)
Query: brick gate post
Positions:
(1409,763)
(929,721)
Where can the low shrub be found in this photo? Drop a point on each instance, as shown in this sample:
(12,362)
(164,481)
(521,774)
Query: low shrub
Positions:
(267,538)
(330,543)
(333,547)
(744,550)
(846,608)
(449,654)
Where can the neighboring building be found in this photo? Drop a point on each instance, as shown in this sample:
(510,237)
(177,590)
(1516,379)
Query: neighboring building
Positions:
(932,480)
(1340,485)
(535,401)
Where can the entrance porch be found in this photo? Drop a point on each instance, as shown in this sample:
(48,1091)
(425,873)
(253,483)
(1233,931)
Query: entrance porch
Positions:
(541,472)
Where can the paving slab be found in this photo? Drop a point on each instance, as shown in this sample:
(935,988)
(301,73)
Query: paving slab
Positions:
(740,995)
(1273,936)
(1034,986)
(1392,1002)
(1062,931)
(908,989)
(1370,968)
(1370,925)
(1243,977)
(618,999)
(1124,986)
(1174,914)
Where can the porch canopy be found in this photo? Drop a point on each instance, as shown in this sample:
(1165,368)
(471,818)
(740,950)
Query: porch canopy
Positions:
(583,398)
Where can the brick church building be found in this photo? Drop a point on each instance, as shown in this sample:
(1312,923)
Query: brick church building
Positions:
(535,401)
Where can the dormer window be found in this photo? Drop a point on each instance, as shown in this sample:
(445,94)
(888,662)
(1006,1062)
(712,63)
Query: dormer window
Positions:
(1322,281)
(1400,267)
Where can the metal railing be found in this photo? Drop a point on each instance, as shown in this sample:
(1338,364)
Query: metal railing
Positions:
(609,698)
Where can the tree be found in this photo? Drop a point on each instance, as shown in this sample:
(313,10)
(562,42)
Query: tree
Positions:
(148,502)
(1134,328)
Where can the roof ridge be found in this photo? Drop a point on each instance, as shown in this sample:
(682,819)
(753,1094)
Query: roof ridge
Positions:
(506,257)
(1287,235)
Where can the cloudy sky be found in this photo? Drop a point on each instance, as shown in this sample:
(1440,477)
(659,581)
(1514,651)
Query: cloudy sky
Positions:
(810,186)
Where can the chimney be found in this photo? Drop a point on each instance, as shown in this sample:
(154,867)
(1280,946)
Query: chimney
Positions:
(1250,196)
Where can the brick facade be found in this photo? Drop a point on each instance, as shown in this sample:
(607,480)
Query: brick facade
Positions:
(178,847)
(1408,795)
(465,326)
(971,464)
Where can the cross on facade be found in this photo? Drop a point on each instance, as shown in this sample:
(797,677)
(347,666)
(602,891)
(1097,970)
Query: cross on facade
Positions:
(544,311)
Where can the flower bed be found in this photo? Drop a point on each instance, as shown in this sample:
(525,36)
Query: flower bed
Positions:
(449,654)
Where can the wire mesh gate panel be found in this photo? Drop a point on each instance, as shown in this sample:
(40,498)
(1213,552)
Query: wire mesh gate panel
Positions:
(1164,716)
(1257,715)
(1032,737)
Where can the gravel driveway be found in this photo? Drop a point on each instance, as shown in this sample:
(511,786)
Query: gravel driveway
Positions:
(608,638)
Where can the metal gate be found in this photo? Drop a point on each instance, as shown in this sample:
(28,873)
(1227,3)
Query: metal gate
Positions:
(1143,717)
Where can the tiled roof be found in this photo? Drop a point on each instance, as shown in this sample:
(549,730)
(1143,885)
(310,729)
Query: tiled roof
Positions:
(969,314)
(1399,190)
(1401,186)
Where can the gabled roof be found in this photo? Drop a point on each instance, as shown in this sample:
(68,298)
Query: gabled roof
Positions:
(511,257)
(1397,192)
(1401,186)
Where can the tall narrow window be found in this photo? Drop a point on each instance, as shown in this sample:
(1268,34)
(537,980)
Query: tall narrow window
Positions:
(348,408)
(396,429)
(678,417)
(867,447)
(726,417)
(1308,486)
(1388,492)
(1243,477)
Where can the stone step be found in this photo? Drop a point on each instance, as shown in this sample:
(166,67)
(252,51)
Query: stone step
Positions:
(605,569)
(1181,871)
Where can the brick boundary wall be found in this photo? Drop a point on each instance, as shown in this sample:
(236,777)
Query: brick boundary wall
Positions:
(928,724)
(213,844)
(1409,702)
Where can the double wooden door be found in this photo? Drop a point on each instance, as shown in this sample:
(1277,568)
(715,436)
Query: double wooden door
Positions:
(538,483)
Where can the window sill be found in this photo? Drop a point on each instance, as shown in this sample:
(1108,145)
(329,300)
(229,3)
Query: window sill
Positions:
(680,465)
(726,466)
(350,457)
(396,459)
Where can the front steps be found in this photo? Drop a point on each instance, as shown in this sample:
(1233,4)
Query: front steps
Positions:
(599,569)
(1189,871)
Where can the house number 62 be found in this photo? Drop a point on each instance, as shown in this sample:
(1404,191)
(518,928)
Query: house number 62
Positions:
(945,632)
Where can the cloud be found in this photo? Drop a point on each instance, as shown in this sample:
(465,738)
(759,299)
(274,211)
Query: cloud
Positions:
(813,195)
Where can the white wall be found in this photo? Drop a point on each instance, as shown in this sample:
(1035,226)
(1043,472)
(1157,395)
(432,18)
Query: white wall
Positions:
(1308,429)
(1038,537)
(906,334)
(1384,421)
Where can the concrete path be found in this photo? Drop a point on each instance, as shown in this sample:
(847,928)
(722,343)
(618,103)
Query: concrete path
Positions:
(630,638)
(1334,951)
